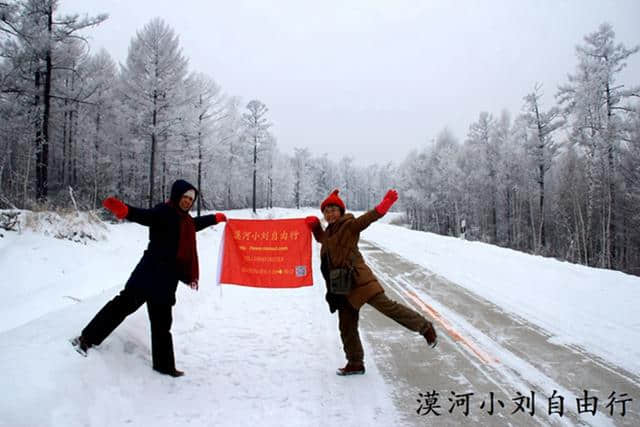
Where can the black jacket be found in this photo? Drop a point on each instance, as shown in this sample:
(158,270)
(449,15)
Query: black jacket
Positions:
(156,275)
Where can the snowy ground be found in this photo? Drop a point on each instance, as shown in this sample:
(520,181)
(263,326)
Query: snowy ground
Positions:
(253,356)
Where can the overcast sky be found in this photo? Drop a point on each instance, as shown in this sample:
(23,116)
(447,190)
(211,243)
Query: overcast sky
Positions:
(371,78)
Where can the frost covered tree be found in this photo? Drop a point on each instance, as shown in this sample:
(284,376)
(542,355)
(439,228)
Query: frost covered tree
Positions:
(264,180)
(630,200)
(542,148)
(303,180)
(256,126)
(283,181)
(325,177)
(101,72)
(485,150)
(347,181)
(202,116)
(34,40)
(153,87)
(593,100)
(233,164)
(446,183)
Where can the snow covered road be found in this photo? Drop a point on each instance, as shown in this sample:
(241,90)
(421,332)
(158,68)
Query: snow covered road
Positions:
(483,351)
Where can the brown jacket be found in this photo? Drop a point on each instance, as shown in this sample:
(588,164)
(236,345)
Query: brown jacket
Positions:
(340,242)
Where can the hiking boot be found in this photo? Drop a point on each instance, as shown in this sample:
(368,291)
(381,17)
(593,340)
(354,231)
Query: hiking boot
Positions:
(429,333)
(81,345)
(351,369)
(172,372)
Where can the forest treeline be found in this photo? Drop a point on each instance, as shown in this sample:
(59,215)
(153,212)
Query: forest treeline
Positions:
(558,180)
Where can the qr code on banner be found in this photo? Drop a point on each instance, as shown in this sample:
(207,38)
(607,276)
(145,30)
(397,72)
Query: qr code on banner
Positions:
(301,270)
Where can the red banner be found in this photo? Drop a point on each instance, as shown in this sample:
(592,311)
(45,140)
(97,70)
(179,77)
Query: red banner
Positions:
(267,253)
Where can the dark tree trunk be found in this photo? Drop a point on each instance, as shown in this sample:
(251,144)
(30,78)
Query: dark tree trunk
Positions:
(38,127)
(199,169)
(612,189)
(255,161)
(153,150)
(540,176)
(42,186)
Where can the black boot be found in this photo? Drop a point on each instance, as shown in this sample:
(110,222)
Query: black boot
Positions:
(81,345)
(351,369)
(172,372)
(429,333)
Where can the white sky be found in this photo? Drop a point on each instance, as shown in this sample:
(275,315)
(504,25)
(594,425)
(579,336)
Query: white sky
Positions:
(373,78)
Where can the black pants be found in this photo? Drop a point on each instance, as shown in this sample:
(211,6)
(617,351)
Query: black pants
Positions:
(116,310)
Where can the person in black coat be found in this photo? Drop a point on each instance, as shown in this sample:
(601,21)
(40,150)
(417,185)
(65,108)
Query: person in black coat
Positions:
(170,257)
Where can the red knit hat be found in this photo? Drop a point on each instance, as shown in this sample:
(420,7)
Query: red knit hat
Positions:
(333,199)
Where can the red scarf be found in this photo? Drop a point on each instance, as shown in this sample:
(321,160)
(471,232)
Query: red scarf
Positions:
(187,256)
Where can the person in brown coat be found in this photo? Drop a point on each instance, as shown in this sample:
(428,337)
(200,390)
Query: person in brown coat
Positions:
(339,250)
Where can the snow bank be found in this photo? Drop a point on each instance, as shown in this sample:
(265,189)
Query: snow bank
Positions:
(79,227)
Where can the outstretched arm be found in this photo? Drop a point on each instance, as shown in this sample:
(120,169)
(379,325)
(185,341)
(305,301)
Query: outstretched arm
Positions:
(146,217)
(366,219)
(204,221)
(122,211)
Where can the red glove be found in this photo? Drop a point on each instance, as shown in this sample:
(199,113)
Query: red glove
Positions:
(312,222)
(119,209)
(220,217)
(389,199)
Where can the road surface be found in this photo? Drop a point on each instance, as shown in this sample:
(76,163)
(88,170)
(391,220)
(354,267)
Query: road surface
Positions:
(489,367)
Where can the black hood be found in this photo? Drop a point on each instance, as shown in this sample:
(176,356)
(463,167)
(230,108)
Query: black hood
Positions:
(179,188)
